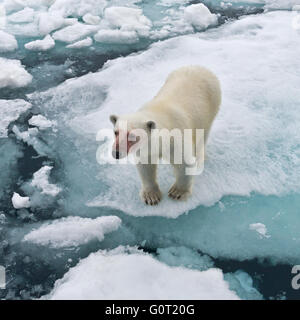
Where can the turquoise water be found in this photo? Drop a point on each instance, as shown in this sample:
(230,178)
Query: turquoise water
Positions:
(252,171)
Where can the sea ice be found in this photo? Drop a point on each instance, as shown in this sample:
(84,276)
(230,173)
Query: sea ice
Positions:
(118,274)
(10,110)
(41,181)
(74,32)
(19,201)
(41,122)
(199,16)
(81,43)
(260,228)
(73,231)
(13,74)
(22,16)
(128,19)
(116,36)
(41,45)
(7,42)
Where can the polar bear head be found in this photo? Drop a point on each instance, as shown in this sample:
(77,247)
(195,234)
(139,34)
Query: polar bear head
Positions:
(132,132)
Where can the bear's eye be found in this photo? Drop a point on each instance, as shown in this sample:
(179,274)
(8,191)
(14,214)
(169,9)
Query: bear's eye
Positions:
(116,132)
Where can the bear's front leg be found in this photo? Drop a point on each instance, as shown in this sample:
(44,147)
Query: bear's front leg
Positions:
(150,192)
(182,188)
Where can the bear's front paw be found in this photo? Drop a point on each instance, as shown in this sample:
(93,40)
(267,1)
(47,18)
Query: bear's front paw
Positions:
(151,197)
(179,193)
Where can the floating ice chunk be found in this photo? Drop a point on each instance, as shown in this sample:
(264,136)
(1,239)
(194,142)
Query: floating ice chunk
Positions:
(41,122)
(128,19)
(73,231)
(41,45)
(120,275)
(7,42)
(13,74)
(49,21)
(20,202)
(259,228)
(116,36)
(30,137)
(78,8)
(199,16)
(22,16)
(81,43)
(10,110)
(41,181)
(172,2)
(91,19)
(74,32)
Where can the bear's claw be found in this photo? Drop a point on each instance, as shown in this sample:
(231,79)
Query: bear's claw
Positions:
(178,194)
(151,197)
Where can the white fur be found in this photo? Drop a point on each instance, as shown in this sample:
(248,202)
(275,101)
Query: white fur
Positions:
(189,99)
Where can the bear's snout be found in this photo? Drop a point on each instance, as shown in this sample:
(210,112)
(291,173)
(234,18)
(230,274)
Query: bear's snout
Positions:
(116,154)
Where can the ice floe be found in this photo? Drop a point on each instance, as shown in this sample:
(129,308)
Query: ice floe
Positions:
(13,74)
(136,275)
(41,181)
(73,231)
(41,45)
(19,201)
(7,42)
(10,110)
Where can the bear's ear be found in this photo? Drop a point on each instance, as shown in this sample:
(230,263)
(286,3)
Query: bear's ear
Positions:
(151,125)
(113,118)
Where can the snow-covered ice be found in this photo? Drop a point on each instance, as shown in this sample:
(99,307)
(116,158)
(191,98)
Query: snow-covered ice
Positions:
(81,43)
(41,122)
(41,45)
(41,181)
(136,275)
(73,231)
(116,36)
(74,32)
(260,228)
(19,201)
(10,110)
(199,16)
(13,74)
(7,42)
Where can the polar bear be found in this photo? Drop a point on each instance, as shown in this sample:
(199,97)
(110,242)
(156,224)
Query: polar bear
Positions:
(189,99)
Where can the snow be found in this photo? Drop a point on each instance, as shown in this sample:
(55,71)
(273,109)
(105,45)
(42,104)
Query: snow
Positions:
(20,202)
(260,228)
(41,122)
(73,231)
(74,32)
(199,16)
(128,19)
(41,181)
(13,74)
(91,19)
(50,21)
(116,36)
(118,275)
(22,16)
(7,42)
(10,110)
(41,45)
(81,43)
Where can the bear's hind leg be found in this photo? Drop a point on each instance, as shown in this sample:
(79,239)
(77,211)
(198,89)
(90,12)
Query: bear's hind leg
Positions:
(150,193)
(182,188)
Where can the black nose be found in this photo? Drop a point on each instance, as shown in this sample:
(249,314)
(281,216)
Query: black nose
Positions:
(116,154)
